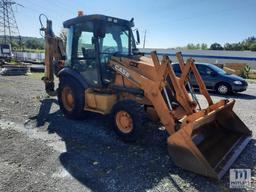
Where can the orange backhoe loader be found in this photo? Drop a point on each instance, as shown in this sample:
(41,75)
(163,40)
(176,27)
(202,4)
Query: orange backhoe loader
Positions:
(101,71)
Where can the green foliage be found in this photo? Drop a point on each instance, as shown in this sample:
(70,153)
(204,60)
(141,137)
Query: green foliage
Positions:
(216,46)
(33,50)
(248,44)
(204,46)
(246,71)
(228,46)
(253,47)
(13,61)
(26,43)
(191,46)
(197,46)
(36,75)
(237,47)
(34,43)
(14,44)
(63,36)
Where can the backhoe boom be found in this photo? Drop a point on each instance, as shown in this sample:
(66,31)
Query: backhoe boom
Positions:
(54,57)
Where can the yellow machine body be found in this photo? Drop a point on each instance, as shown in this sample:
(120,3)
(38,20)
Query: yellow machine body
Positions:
(205,141)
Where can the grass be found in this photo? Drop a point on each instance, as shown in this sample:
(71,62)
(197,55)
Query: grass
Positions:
(36,75)
(31,50)
(13,62)
(251,81)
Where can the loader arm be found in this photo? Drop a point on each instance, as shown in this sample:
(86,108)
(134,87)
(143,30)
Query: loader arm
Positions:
(54,55)
(205,141)
(186,68)
(153,88)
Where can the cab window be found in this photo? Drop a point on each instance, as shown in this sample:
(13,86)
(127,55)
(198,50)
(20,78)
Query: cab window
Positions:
(84,54)
(113,41)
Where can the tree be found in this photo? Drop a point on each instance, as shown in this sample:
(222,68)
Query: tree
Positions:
(14,45)
(63,36)
(34,43)
(253,47)
(216,46)
(191,46)
(237,46)
(228,46)
(197,46)
(248,42)
(204,46)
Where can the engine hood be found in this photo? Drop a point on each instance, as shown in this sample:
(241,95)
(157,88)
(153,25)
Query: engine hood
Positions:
(234,77)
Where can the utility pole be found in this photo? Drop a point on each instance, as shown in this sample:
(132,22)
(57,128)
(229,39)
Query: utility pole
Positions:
(144,39)
(9,31)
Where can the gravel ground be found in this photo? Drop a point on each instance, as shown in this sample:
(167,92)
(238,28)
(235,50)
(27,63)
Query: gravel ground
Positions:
(41,150)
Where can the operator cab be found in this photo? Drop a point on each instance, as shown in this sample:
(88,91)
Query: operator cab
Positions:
(92,40)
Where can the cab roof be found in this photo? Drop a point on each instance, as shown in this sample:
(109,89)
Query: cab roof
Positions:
(97,17)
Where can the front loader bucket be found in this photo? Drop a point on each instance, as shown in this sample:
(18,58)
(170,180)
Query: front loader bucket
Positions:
(210,145)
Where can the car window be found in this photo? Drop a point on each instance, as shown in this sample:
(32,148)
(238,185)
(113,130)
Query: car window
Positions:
(217,70)
(204,70)
(176,68)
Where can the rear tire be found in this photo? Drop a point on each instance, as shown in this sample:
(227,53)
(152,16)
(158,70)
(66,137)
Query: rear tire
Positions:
(128,118)
(71,98)
(223,88)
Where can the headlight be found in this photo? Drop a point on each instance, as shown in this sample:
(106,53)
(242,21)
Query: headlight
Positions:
(237,82)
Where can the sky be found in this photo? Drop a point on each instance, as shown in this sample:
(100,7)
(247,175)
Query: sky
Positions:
(169,23)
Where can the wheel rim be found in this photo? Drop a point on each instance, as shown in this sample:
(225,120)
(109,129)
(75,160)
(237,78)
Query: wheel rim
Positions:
(223,89)
(124,122)
(67,98)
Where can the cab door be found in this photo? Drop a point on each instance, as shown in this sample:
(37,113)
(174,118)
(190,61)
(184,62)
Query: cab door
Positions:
(115,41)
(84,54)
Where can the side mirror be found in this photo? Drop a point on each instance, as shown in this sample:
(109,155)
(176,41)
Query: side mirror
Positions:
(138,36)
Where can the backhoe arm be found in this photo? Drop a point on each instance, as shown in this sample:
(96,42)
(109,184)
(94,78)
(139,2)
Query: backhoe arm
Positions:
(54,56)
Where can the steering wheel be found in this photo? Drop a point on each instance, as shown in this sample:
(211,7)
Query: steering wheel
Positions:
(110,50)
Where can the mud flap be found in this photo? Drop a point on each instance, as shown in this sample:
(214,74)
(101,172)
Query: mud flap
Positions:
(210,144)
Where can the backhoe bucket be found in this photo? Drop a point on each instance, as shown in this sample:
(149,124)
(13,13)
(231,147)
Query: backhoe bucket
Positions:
(210,144)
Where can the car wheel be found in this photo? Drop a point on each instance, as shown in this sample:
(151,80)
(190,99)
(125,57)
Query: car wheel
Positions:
(223,88)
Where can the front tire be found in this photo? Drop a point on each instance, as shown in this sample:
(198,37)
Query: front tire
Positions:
(71,98)
(223,88)
(128,118)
